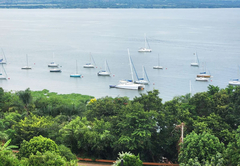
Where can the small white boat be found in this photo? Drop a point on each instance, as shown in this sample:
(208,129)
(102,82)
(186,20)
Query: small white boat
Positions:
(143,80)
(76,74)
(55,70)
(3,60)
(129,84)
(202,79)
(105,72)
(3,73)
(196,63)
(27,67)
(126,84)
(158,66)
(234,82)
(53,64)
(90,65)
(145,48)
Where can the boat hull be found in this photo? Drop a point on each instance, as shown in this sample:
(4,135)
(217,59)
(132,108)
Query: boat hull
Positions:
(130,85)
(52,65)
(157,67)
(88,66)
(194,64)
(75,75)
(237,83)
(55,70)
(103,74)
(145,50)
(202,79)
(27,67)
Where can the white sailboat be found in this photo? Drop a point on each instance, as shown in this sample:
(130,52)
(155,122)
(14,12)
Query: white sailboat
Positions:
(27,67)
(76,74)
(3,75)
(53,64)
(128,84)
(3,60)
(144,80)
(235,81)
(145,48)
(90,65)
(158,66)
(196,63)
(204,74)
(105,72)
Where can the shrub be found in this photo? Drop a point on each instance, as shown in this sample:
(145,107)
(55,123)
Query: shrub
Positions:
(129,159)
(66,152)
(48,159)
(37,144)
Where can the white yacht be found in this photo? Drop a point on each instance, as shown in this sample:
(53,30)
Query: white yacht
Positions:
(27,67)
(129,84)
(145,48)
(105,72)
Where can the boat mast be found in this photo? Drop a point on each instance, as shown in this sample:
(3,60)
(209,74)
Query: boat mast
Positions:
(27,59)
(76,68)
(145,41)
(4,56)
(130,65)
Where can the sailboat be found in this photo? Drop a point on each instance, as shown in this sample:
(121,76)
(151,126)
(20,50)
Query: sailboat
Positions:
(235,81)
(196,63)
(76,74)
(27,67)
(52,64)
(158,66)
(105,72)
(90,65)
(204,74)
(143,80)
(3,60)
(129,84)
(3,75)
(145,48)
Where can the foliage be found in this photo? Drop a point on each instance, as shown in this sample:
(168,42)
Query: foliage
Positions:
(217,160)
(66,152)
(48,158)
(6,146)
(232,153)
(129,159)
(203,146)
(37,144)
(31,126)
(7,158)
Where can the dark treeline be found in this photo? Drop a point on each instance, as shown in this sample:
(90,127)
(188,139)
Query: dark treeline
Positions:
(101,128)
(119,3)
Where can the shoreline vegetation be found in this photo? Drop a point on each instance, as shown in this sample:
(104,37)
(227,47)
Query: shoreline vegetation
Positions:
(103,128)
(83,4)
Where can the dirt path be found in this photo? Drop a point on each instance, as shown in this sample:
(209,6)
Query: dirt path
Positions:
(92,164)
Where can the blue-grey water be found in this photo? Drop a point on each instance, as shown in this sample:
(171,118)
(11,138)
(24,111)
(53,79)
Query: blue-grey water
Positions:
(72,34)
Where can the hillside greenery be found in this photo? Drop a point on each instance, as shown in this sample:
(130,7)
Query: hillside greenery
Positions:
(100,128)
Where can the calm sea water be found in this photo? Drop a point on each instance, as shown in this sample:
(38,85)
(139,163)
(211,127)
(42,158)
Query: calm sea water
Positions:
(174,34)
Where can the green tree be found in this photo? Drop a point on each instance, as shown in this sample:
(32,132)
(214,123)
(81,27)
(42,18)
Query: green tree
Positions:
(31,126)
(203,146)
(26,98)
(37,144)
(232,153)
